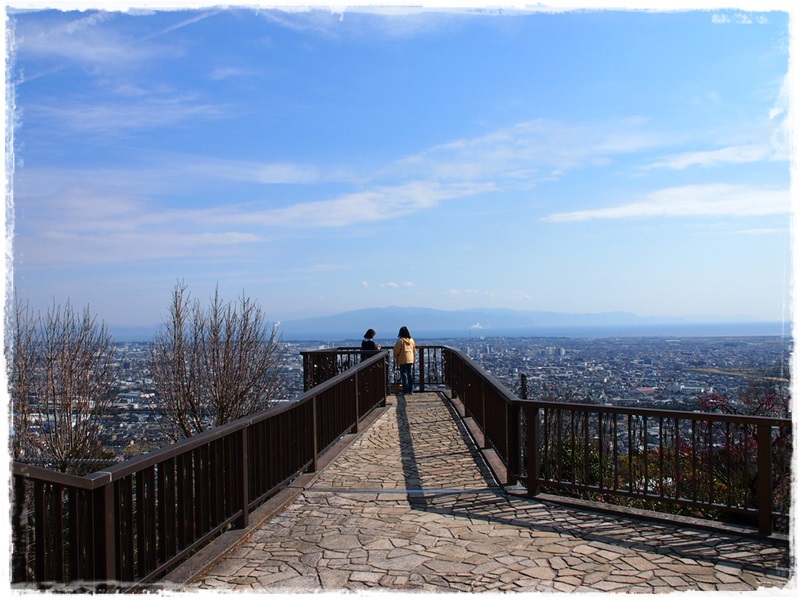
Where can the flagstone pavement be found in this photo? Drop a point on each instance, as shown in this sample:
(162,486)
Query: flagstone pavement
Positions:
(410,506)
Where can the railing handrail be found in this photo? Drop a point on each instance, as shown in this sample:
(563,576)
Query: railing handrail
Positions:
(484,374)
(86,482)
(686,414)
(662,412)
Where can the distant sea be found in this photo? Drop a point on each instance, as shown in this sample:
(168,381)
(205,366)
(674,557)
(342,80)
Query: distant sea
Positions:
(432,324)
(760,329)
(775,329)
(752,329)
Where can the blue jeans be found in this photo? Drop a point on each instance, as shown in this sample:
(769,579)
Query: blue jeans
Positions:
(407,377)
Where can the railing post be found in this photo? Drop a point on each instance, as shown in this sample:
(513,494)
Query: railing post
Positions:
(532,433)
(464,382)
(104,534)
(764,478)
(314,434)
(386,380)
(522,415)
(357,410)
(244,480)
(19,531)
(421,369)
(308,371)
(484,425)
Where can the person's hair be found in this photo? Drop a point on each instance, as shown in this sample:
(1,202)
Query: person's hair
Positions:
(370,334)
(403,333)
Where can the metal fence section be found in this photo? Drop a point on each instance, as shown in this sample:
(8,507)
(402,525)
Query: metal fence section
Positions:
(491,406)
(321,365)
(708,464)
(133,522)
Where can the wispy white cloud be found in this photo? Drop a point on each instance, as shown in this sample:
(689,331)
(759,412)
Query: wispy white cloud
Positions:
(764,231)
(395,284)
(117,117)
(774,147)
(83,220)
(377,204)
(59,247)
(774,143)
(194,168)
(723,156)
(470,293)
(224,73)
(712,200)
(505,297)
(82,42)
(530,152)
(194,18)
(738,18)
(522,155)
(156,174)
(304,20)
(111,59)
(393,22)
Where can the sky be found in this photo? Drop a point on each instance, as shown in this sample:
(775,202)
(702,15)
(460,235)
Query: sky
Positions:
(327,160)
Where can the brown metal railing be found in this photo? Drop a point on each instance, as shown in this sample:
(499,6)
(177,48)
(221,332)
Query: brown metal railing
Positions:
(130,524)
(709,464)
(320,365)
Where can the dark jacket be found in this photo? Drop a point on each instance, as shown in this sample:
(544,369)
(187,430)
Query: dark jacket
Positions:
(368,348)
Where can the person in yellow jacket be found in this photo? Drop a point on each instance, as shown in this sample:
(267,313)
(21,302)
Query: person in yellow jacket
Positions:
(404,350)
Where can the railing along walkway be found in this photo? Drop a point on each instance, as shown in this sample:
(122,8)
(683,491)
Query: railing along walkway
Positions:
(410,506)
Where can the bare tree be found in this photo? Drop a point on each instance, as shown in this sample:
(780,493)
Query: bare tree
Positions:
(62,383)
(214,365)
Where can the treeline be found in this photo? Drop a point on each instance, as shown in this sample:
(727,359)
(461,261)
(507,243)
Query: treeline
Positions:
(211,363)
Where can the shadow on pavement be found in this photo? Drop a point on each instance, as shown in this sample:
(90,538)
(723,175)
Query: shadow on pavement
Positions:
(492,504)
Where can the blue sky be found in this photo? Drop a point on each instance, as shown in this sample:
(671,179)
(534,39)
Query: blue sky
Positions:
(321,161)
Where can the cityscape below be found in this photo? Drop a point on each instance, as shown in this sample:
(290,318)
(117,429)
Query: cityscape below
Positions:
(661,372)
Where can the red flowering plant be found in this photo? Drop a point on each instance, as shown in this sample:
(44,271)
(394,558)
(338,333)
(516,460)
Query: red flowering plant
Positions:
(735,468)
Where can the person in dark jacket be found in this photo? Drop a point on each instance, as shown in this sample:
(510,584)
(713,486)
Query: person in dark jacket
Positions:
(368,345)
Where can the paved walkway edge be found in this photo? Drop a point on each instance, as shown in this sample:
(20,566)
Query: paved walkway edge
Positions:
(360,523)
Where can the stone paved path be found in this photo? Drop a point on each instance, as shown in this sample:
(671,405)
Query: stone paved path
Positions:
(409,506)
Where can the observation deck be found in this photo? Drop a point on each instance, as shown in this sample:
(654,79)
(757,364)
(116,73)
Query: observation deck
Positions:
(411,505)
(459,487)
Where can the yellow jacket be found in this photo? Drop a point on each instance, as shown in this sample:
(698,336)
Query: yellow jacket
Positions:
(404,351)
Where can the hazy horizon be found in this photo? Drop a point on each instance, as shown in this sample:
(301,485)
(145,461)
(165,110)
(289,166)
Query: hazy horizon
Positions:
(433,324)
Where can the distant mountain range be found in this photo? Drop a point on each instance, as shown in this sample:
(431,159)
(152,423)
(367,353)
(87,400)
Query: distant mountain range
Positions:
(431,323)
(428,323)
